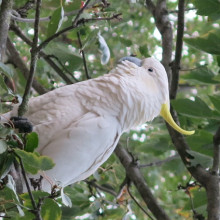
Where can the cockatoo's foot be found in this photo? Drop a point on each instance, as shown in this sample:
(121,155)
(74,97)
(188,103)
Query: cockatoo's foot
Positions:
(50,185)
(22,124)
(36,183)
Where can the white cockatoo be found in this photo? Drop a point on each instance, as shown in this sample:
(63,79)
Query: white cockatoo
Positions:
(80,125)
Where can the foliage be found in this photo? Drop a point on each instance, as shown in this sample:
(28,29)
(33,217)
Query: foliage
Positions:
(197,104)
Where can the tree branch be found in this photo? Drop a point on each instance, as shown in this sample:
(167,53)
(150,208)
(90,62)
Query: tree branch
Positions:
(60,63)
(5,16)
(102,188)
(15,58)
(178,52)
(15,14)
(34,205)
(159,162)
(34,56)
(83,56)
(74,26)
(216,154)
(164,26)
(137,203)
(134,174)
(46,57)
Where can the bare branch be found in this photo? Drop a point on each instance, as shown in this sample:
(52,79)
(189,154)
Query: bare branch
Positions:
(15,15)
(15,58)
(134,174)
(5,16)
(36,210)
(159,162)
(83,56)
(48,59)
(34,56)
(186,9)
(61,64)
(23,10)
(73,26)
(216,154)
(102,188)
(164,26)
(138,204)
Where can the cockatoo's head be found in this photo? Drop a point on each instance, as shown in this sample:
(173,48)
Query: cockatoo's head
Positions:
(157,75)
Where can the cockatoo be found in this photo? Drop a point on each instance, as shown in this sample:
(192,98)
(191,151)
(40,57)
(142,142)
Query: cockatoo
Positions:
(80,125)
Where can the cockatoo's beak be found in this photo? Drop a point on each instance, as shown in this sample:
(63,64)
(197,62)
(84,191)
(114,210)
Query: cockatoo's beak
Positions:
(165,113)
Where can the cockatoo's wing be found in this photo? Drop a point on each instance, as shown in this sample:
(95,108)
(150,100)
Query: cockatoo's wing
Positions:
(82,147)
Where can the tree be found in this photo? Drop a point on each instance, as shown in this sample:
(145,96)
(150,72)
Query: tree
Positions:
(155,173)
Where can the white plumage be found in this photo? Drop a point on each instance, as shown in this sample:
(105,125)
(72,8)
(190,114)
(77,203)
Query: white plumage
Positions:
(80,125)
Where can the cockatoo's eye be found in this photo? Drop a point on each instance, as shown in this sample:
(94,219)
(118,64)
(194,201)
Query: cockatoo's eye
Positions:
(150,70)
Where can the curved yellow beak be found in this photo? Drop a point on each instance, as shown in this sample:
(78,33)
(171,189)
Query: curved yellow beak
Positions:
(165,113)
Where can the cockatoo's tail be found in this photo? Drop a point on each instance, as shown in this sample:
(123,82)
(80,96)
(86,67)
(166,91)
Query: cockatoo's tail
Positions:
(165,113)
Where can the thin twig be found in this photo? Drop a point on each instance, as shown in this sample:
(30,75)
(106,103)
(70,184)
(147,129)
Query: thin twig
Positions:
(186,9)
(15,15)
(16,60)
(34,205)
(134,174)
(216,153)
(74,25)
(63,66)
(46,57)
(34,56)
(160,162)
(78,23)
(83,56)
(102,188)
(59,71)
(138,204)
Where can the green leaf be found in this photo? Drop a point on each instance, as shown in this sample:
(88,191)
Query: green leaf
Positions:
(125,41)
(32,142)
(201,141)
(63,53)
(36,194)
(202,74)
(215,99)
(33,162)
(144,50)
(6,70)
(210,8)
(200,159)
(209,42)
(50,210)
(71,6)
(55,21)
(90,39)
(3,85)
(6,160)
(3,146)
(196,109)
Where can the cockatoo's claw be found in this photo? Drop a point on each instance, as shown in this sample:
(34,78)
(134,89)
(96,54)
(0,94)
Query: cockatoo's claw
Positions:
(134,60)
(36,183)
(22,124)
